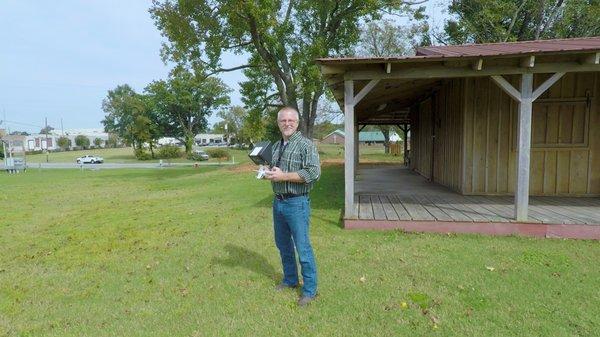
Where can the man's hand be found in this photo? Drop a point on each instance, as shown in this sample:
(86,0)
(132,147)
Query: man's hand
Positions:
(275,174)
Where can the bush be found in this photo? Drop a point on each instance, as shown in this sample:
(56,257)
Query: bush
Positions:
(82,141)
(169,152)
(220,154)
(140,154)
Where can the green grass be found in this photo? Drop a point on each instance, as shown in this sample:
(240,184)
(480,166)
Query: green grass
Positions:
(118,155)
(190,252)
(373,153)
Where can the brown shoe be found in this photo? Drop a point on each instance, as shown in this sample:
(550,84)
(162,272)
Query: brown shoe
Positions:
(281,287)
(305,300)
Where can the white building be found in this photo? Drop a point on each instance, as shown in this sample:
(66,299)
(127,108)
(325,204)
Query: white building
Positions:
(210,139)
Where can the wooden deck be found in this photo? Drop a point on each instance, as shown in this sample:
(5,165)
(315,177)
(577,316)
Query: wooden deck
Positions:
(395,197)
(448,207)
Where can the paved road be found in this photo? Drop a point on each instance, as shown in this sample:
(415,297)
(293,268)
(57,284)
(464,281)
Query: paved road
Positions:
(112,165)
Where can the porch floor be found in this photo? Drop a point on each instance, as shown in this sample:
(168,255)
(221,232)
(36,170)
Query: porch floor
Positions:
(396,197)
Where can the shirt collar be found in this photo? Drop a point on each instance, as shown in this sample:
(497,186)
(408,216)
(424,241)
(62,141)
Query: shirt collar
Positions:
(295,136)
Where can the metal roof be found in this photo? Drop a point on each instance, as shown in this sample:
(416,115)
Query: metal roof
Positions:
(513,48)
(432,53)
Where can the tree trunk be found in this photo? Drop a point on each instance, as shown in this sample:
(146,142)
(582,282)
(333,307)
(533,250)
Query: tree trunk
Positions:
(151,148)
(189,142)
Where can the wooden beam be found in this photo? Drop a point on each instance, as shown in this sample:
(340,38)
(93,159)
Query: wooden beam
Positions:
(365,91)
(591,59)
(452,72)
(546,85)
(328,70)
(527,62)
(507,87)
(388,68)
(524,148)
(361,127)
(350,211)
(477,64)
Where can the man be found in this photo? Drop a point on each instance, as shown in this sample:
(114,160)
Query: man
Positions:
(295,169)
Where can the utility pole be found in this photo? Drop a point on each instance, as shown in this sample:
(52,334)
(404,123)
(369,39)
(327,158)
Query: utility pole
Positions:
(46,129)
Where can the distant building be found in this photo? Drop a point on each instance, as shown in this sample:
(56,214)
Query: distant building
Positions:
(376,137)
(203,139)
(335,137)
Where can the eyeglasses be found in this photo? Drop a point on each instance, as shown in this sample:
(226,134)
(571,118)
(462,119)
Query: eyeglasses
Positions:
(287,121)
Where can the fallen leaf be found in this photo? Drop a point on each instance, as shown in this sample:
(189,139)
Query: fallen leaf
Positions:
(490,268)
(363,279)
(404,305)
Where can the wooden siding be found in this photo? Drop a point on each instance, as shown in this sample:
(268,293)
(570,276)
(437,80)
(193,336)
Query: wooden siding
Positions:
(448,129)
(440,116)
(565,137)
(421,138)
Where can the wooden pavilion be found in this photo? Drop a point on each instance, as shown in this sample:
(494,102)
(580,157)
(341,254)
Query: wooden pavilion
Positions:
(491,125)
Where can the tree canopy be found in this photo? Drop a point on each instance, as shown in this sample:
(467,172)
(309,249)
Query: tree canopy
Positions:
(283,38)
(182,103)
(480,21)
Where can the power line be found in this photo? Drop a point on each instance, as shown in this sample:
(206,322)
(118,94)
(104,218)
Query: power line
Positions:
(24,124)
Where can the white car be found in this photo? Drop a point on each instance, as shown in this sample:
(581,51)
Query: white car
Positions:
(90,159)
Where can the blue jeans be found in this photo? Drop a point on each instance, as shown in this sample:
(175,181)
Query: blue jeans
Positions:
(291,219)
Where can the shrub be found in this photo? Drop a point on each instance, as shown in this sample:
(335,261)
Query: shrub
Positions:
(140,154)
(169,152)
(64,143)
(220,154)
(82,141)
(98,142)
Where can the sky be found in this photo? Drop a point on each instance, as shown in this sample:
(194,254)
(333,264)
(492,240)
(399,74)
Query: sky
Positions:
(60,58)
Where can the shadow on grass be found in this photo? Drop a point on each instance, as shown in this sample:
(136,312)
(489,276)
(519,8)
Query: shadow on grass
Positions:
(242,257)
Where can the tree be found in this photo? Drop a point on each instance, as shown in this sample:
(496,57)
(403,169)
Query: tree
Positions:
(383,39)
(20,133)
(46,129)
(233,118)
(283,38)
(82,141)
(113,141)
(184,101)
(97,142)
(132,117)
(64,143)
(481,21)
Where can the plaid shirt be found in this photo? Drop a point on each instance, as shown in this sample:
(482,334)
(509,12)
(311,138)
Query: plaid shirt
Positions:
(301,156)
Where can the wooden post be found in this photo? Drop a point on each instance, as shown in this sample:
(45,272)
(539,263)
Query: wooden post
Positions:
(524,141)
(525,98)
(349,152)
(405,131)
(356,144)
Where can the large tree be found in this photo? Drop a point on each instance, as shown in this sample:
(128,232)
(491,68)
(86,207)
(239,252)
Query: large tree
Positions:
(480,21)
(131,116)
(283,38)
(183,102)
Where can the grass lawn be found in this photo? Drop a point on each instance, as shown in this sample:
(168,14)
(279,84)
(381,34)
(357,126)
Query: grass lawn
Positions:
(368,153)
(118,155)
(190,252)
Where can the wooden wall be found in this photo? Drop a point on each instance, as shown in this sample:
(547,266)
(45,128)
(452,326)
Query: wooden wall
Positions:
(565,153)
(448,116)
(421,138)
(439,158)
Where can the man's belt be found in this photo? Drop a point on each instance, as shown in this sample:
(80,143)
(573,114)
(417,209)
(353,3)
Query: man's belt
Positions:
(283,196)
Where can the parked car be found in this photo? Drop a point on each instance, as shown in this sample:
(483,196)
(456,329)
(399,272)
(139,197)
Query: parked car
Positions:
(90,159)
(201,154)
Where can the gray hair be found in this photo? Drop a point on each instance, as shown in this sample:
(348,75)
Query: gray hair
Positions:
(288,108)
